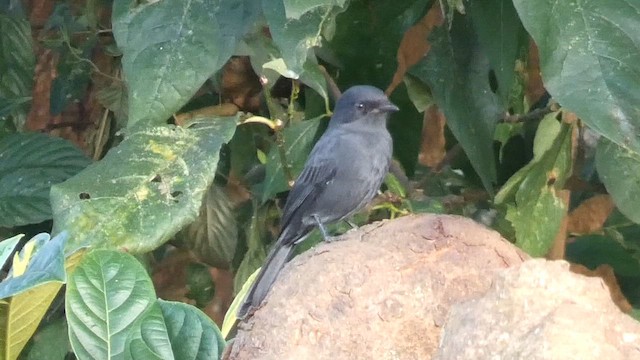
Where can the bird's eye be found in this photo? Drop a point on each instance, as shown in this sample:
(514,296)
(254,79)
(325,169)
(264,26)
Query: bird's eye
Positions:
(360,106)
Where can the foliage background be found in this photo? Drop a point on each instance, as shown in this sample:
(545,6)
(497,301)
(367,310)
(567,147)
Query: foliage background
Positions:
(171,131)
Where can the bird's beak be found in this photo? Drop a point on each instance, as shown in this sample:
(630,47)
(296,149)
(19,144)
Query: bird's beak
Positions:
(388,107)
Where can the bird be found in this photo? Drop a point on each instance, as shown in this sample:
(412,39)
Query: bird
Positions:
(342,174)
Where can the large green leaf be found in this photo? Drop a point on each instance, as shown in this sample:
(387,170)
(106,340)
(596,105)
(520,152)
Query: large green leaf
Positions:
(144,190)
(193,335)
(502,37)
(170,48)
(298,142)
(29,164)
(149,338)
(619,170)
(45,266)
(590,61)
(17,64)
(534,208)
(297,26)
(457,71)
(172,330)
(106,295)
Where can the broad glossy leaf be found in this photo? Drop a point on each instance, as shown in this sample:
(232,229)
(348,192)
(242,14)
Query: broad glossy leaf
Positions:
(29,164)
(299,139)
(144,190)
(106,295)
(149,338)
(45,266)
(590,61)
(17,64)
(457,71)
(619,170)
(502,37)
(193,335)
(297,26)
(170,48)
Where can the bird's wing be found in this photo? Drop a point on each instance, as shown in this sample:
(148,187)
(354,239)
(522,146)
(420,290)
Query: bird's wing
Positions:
(312,181)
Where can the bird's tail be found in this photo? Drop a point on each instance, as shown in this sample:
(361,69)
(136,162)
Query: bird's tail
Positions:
(280,254)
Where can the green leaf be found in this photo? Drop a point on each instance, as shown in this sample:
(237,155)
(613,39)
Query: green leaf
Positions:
(144,190)
(534,209)
(299,139)
(7,247)
(230,317)
(213,237)
(106,294)
(17,65)
(590,61)
(546,136)
(45,266)
(418,92)
(149,338)
(619,170)
(29,164)
(298,26)
(595,250)
(502,37)
(173,330)
(457,71)
(193,334)
(50,343)
(7,106)
(170,48)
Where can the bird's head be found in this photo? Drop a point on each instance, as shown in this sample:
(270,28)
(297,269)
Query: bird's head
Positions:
(362,103)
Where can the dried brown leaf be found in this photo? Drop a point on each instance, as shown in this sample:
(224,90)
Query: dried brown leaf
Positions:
(432,148)
(589,216)
(414,45)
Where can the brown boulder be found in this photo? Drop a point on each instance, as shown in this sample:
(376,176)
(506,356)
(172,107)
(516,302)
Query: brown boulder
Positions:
(540,310)
(382,293)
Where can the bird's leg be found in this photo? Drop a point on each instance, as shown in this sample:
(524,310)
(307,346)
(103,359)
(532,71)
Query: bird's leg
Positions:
(323,230)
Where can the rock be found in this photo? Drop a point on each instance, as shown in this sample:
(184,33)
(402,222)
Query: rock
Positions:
(541,310)
(382,293)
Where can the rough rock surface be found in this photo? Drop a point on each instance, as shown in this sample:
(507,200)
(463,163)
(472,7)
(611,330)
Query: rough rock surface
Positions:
(541,310)
(382,293)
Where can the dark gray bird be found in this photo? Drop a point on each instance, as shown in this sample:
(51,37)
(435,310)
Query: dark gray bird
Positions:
(343,173)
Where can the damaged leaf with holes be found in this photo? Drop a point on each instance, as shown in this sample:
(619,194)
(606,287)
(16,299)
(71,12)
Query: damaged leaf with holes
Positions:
(533,206)
(144,190)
